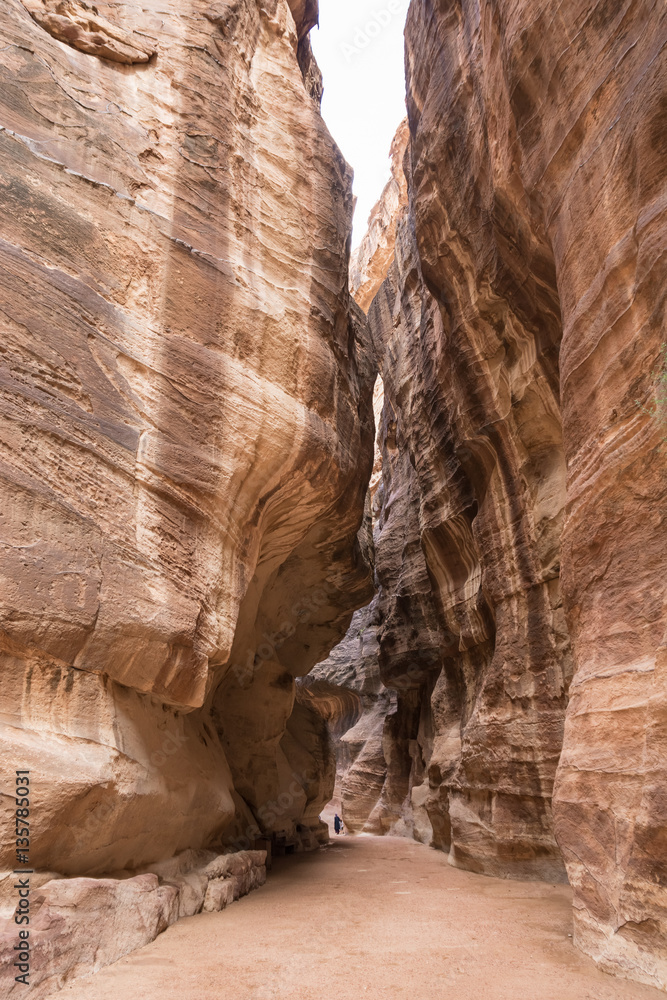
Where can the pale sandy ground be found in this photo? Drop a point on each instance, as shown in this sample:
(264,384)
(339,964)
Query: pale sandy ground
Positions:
(369,917)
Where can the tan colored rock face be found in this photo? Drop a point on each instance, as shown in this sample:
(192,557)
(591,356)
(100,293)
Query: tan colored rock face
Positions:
(186,418)
(186,435)
(372,258)
(79,925)
(78,24)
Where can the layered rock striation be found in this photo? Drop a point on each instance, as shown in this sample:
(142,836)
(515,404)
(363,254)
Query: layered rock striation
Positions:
(519,332)
(475,412)
(187,428)
(538,191)
(187,439)
(471,634)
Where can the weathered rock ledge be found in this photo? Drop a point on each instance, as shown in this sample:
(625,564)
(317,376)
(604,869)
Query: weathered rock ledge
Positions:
(79,925)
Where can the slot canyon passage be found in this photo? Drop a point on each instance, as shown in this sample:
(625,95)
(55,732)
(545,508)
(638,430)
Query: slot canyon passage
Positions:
(286,530)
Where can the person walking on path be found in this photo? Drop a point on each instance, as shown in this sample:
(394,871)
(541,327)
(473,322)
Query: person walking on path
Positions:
(338,823)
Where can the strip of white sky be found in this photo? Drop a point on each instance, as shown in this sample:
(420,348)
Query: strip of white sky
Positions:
(359,47)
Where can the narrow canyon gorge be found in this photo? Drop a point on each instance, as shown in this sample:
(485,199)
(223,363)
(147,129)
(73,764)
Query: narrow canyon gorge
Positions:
(283,524)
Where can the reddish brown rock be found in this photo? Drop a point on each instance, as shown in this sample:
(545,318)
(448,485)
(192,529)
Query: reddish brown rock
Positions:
(470,551)
(187,437)
(529,278)
(471,634)
(538,190)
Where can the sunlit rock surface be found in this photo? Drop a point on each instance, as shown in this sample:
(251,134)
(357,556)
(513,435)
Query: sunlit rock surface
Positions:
(371,259)
(187,430)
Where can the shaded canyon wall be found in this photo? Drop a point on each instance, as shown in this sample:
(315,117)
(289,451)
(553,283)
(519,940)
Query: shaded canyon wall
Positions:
(518,332)
(538,188)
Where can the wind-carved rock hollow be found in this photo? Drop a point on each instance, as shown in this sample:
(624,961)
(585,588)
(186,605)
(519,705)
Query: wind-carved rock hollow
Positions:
(187,435)
(216,598)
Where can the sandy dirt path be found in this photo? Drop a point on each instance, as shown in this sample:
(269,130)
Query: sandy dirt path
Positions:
(376,917)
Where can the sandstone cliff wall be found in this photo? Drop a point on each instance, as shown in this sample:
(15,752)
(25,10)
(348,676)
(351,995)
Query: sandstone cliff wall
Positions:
(518,333)
(538,185)
(187,433)
(371,260)
(470,629)
(187,427)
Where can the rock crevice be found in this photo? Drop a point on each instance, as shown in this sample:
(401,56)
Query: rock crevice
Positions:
(191,647)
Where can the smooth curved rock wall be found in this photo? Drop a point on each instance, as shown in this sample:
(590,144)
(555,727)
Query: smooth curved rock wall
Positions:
(187,429)
(519,334)
(469,547)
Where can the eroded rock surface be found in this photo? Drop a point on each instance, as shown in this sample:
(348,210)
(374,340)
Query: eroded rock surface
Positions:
(348,692)
(372,258)
(80,25)
(517,334)
(470,551)
(79,925)
(538,184)
(187,439)
(472,642)
(187,429)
